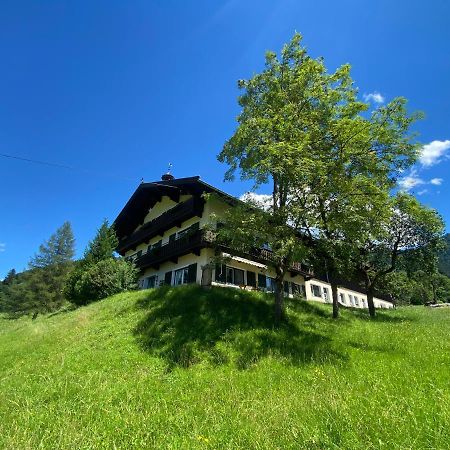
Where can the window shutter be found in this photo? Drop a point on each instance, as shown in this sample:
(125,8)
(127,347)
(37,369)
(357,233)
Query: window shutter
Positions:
(168,278)
(220,273)
(192,273)
(261,281)
(251,278)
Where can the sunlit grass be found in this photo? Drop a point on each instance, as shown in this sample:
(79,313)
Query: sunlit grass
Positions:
(188,368)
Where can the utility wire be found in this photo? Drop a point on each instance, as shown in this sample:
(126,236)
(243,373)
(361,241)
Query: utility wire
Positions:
(64,166)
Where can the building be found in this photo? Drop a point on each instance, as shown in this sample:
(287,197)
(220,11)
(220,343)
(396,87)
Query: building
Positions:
(162,228)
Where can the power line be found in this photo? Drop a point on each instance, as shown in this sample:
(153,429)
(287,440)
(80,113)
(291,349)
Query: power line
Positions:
(64,166)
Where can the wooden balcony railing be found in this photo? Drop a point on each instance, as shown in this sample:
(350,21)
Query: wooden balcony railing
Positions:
(173,217)
(189,243)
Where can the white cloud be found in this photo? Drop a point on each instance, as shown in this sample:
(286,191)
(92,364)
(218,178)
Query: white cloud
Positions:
(261,200)
(2,247)
(411,181)
(375,97)
(432,153)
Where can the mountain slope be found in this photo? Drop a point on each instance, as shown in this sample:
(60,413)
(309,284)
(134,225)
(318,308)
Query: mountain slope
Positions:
(190,368)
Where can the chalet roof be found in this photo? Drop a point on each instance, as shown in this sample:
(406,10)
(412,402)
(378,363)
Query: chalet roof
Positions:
(148,194)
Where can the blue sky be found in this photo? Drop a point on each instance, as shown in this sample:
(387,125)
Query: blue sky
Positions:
(117,90)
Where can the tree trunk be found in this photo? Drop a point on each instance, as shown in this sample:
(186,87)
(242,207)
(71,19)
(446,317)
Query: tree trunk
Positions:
(279,296)
(279,304)
(370,303)
(334,293)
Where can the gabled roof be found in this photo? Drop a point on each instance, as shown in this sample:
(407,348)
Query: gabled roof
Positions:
(148,194)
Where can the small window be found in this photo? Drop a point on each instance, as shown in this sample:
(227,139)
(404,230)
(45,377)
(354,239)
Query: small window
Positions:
(180,276)
(326,294)
(270,284)
(342,298)
(261,281)
(151,282)
(316,291)
(356,300)
(251,278)
(235,276)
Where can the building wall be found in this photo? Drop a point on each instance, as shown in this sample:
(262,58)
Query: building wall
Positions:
(346,296)
(214,207)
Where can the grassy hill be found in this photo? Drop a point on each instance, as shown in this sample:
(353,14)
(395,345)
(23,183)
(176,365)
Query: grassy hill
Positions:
(187,368)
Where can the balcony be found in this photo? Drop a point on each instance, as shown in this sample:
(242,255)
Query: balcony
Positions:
(196,240)
(171,251)
(174,217)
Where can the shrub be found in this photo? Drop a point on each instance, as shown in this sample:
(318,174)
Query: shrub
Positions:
(102,279)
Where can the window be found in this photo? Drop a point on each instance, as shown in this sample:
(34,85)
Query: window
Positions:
(235,276)
(326,294)
(270,284)
(230,275)
(151,282)
(356,300)
(261,281)
(180,276)
(286,285)
(363,303)
(153,247)
(298,289)
(342,298)
(168,278)
(251,278)
(316,291)
(188,231)
(185,275)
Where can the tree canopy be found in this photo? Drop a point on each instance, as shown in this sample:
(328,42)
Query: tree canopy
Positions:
(329,162)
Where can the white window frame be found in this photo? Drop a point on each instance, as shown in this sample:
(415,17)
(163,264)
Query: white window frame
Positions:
(184,271)
(319,288)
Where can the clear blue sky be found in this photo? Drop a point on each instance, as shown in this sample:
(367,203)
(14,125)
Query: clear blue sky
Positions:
(120,89)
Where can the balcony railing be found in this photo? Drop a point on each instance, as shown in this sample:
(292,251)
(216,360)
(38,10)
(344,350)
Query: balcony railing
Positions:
(194,241)
(189,243)
(173,217)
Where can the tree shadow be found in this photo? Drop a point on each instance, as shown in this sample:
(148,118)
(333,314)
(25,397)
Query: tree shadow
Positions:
(187,325)
(380,316)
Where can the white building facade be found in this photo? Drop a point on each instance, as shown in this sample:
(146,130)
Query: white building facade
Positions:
(163,229)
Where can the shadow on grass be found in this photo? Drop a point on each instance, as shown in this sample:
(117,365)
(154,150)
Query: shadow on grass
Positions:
(380,316)
(187,325)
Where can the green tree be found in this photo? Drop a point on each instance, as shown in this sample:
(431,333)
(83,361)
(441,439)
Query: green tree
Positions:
(59,249)
(40,289)
(102,246)
(329,165)
(100,274)
(412,230)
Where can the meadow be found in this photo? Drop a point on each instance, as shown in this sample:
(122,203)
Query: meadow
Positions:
(187,368)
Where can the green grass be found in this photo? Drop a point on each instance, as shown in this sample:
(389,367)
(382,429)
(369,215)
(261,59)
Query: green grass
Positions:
(188,368)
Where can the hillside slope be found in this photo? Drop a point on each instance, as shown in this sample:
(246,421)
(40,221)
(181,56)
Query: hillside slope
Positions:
(188,368)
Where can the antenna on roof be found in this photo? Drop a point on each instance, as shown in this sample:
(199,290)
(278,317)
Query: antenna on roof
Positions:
(168,176)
